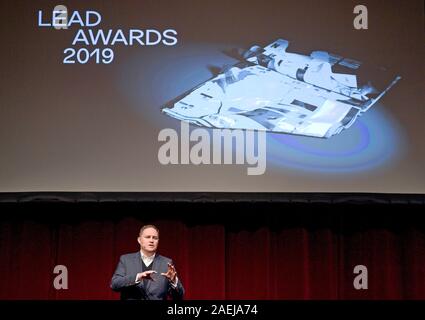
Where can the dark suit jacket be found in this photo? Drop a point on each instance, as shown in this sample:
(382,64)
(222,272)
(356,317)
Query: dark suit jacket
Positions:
(124,279)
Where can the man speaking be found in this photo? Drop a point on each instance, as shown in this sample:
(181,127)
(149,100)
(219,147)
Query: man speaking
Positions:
(146,275)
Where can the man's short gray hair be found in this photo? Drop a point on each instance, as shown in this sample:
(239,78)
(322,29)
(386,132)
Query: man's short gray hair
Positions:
(147,227)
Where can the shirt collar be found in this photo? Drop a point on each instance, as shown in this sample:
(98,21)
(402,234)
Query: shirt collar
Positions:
(147,257)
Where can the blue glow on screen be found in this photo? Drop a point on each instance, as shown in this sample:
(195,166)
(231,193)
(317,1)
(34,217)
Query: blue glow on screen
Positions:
(371,142)
(154,76)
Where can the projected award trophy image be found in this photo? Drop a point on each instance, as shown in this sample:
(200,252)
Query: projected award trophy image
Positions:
(220,159)
(278,91)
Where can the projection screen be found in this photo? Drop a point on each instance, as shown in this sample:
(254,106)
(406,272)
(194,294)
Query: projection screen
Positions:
(212,96)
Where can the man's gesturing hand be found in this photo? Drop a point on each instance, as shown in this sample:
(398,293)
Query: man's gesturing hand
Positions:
(145,275)
(171,273)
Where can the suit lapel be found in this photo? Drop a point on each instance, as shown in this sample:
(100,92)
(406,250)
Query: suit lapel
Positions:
(138,262)
(155,265)
(139,268)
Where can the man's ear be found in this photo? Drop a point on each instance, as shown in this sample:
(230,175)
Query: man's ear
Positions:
(139,240)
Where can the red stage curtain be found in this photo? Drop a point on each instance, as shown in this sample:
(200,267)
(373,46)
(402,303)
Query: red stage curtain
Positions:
(214,262)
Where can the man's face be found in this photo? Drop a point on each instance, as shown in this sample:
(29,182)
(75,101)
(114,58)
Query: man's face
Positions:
(148,241)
